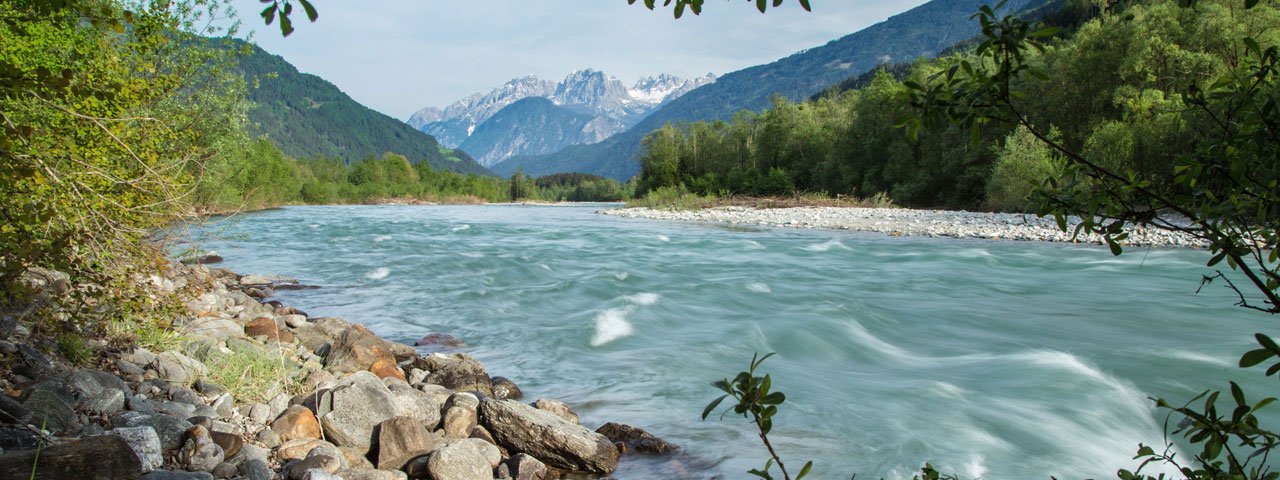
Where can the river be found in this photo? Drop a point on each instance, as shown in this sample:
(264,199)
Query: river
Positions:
(999,360)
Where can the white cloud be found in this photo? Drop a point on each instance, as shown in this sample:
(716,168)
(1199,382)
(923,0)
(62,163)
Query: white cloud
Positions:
(397,56)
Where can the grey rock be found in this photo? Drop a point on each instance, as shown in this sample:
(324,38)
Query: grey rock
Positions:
(14,438)
(415,404)
(260,413)
(225,470)
(12,411)
(32,363)
(464,460)
(293,320)
(185,395)
(209,389)
(175,475)
(177,368)
(145,444)
(217,328)
(129,369)
(417,375)
(97,392)
(459,372)
(524,467)
(54,405)
(636,439)
(561,444)
(269,438)
(199,453)
(256,469)
(170,430)
(371,474)
(505,389)
(140,357)
(250,452)
(557,407)
(460,415)
(350,411)
(299,470)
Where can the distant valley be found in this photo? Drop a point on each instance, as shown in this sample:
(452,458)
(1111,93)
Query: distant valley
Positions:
(532,116)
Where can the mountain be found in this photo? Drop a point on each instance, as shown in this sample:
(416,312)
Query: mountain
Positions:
(611,104)
(923,31)
(535,125)
(306,116)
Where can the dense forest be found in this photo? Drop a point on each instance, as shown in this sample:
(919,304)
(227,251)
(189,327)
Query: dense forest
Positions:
(1114,91)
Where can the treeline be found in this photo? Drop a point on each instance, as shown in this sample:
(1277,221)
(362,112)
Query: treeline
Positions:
(256,174)
(1114,91)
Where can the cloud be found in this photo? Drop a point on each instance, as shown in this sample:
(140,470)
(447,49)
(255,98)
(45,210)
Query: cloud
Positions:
(397,56)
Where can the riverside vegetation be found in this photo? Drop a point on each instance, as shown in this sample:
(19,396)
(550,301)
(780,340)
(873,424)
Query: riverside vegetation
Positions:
(114,119)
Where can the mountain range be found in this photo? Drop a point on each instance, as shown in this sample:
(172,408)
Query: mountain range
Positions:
(306,116)
(924,31)
(586,107)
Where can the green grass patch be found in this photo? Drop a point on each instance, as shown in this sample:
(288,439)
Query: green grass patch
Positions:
(253,375)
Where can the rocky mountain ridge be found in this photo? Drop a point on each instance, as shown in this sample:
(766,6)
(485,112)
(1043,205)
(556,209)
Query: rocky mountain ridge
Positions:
(612,105)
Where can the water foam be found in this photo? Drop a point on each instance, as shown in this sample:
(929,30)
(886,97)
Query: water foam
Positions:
(460,228)
(378,274)
(827,246)
(643,298)
(611,325)
(753,245)
(381,238)
(664,238)
(759,287)
(472,254)
(622,276)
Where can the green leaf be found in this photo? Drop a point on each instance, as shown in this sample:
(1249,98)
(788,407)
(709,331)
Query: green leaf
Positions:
(805,471)
(761,5)
(805,5)
(269,14)
(1254,357)
(712,406)
(286,26)
(311,10)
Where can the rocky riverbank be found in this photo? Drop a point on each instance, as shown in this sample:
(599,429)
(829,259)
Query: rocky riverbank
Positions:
(258,390)
(906,222)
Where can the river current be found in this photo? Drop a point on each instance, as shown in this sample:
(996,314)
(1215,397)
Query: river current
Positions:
(994,360)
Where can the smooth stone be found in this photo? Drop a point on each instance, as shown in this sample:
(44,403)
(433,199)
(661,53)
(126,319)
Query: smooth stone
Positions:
(296,422)
(145,444)
(464,460)
(415,403)
(505,389)
(256,469)
(401,439)
(199,453)
(354,407)
(170,430)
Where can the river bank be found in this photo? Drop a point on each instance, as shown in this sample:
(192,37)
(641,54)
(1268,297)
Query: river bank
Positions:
(259,390)
(907,222)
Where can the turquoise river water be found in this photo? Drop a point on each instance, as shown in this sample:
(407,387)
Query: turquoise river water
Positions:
(995,360)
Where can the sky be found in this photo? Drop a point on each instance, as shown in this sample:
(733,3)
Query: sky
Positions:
(398,56)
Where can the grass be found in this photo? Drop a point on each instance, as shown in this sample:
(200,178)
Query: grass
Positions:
(253,375)
(669,198)
(157,336)
(73,348)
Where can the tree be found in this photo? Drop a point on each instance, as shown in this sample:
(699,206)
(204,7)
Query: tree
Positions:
(1225,188)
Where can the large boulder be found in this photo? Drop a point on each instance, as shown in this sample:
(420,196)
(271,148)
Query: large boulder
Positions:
(53,404)
(357,348)
(97,392)
(461,414)
(521,428)
(170,430)
(212,327)
(415,404)
(350,411)
(457,372)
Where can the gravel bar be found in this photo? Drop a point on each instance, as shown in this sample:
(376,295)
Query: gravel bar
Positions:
(908,222)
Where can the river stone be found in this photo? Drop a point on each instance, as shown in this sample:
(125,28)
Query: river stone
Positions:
(458,372)
(557,407)
(293,320)
(415,404)
(230,443)
(53,405)
(172,475)
(523,429)
(357,348)
(12,411)
(300,448)
(460,415)
(97,392)
(218,328)
(401,439)
(469,459)
(255,469)
(635,439)
(175,367)
(225,470)
(439,339)
(296,422)
(352,409)
(32,363)
(169,429)
(199,453)
(371,474)
(524,467)
(299,470)
(255,280)
(145,444)
(505,389)
(267,327)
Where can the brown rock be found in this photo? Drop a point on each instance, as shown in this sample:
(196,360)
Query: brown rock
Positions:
(557,407)
(505,389)
(230,443)
(551,439)
(387,369)
(298,422)
(439,340)
(296,449)
(267,327)
(635,439)
(358,349)
(400,440)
